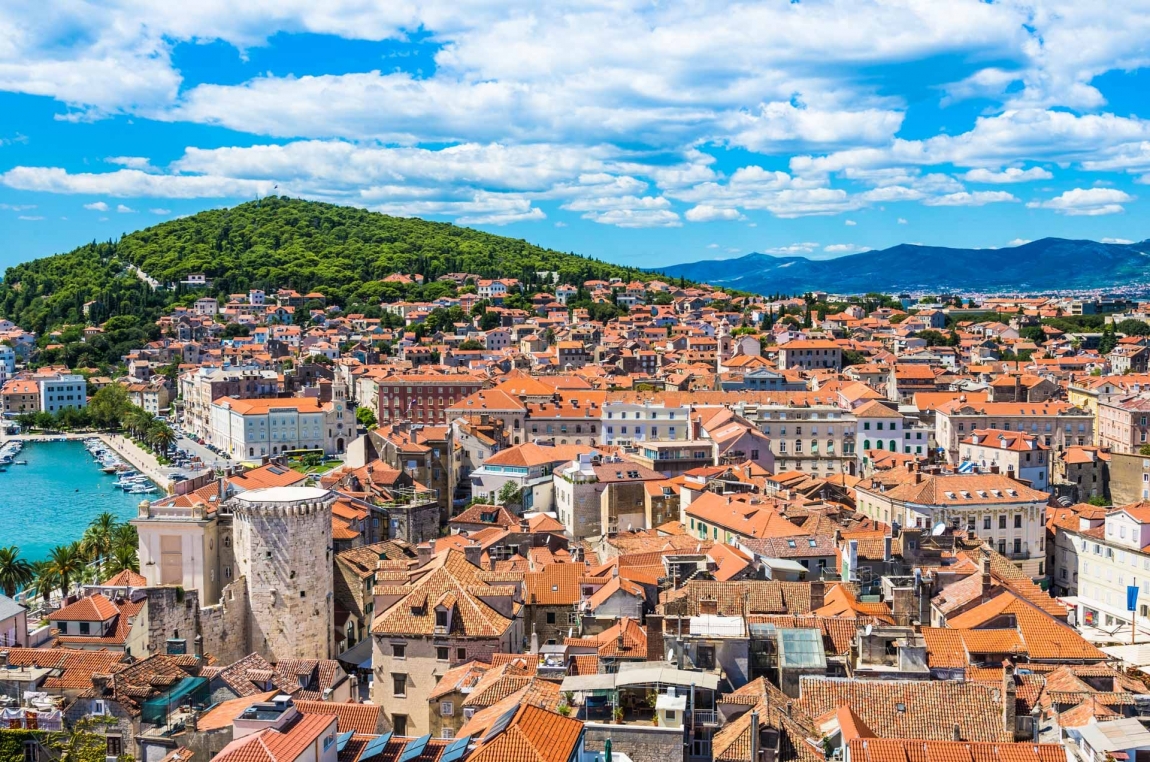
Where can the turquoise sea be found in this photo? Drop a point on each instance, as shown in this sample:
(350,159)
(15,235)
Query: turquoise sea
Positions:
(50,501)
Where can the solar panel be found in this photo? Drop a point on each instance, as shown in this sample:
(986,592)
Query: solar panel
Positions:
(342,738)
(415,748)
(455,750)
(501,724)
(375,746)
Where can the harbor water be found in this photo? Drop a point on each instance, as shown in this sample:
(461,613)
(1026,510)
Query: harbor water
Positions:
(51,500)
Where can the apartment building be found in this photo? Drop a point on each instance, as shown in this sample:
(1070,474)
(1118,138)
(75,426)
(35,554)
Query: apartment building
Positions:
(1014,453)
(807,432)
(203,386)
(1006,513)
(422,397)
(1124,422)
(629,418)
(810,354)
(1109,562)
(1057,424)
(62,390)
(256,428)
(19,396)
(445,615)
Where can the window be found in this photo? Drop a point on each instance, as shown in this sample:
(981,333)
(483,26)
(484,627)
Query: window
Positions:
(115,746)
(447,733)
(461,654)
(399,685)
(1002,522)
(1018,521)
(986,522)
(399,724)
(84,628)
(550,617)
(399,650)
(446,709)
(441,618)
(442,653)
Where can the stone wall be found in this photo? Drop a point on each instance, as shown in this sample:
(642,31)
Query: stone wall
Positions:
(642,743)
(171,612)
(224,626)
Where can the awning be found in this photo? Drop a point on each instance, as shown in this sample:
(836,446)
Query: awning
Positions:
(358,656)
(641,673)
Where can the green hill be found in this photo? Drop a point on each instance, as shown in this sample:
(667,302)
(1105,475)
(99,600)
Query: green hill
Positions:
(274,243)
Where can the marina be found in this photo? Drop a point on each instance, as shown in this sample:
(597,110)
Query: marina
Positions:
(51,490)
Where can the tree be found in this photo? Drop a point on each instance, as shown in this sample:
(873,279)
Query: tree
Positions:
(67,562)
(97,539)
(365,416)
(108,405)
(470,345)
(932,338)
(123,559)
(160,436)
(15,572)
(853,357)
(1109,340)
(1098,500)
(509,494)
(489,321)
(1132,327)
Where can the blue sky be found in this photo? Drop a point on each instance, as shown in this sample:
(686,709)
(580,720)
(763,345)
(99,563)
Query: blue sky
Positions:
(639,132)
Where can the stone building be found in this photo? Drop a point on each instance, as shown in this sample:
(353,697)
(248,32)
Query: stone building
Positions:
(283,549)
(261,563)
(445,615)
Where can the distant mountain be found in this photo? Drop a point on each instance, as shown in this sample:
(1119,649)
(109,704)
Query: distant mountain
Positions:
(1046,265)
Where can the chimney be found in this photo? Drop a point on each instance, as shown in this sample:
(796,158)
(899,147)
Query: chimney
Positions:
(423,554)
(1009,694)
(986,577)
(818,594)
(994,468)
(918,477)
(754,735)
(655,646)
(886,542)
(956,732)
(473,552)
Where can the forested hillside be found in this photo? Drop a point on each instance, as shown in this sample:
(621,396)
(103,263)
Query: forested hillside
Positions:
(274,243)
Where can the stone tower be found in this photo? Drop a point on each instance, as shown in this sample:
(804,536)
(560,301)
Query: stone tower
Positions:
(283,548)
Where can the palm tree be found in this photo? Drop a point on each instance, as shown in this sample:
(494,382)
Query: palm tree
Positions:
(122,558)
(137,420)
(15,572)
(124,538)
(44,580)
(67,563)
(97,539)
(161,437)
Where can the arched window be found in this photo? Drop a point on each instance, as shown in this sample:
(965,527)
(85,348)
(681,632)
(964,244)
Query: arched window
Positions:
(866,444)
(892,446)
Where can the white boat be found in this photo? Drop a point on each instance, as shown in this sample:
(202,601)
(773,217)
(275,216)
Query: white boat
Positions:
(142,489)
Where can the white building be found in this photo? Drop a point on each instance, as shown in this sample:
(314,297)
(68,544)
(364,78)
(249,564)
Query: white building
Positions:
(259,427)
(1108,563)
(62,390)
(629,418)
(1003,512)
(7,362)
(1014,453)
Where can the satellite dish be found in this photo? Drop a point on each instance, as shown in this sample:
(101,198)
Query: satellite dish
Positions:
(938,530)
(868,630)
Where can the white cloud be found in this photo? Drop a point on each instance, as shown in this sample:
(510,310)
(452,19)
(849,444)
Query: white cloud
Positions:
(17,207)
(160,211)
(1008,175)
(1116,240)
(131,183)
(795,249)
(124,209)
(132,162)
(1018,241)
(1090,202)
(712,246)
(843,248)
(708,213)
(965,198)
(97,206)
(30,217)
(902,221)
(850,223)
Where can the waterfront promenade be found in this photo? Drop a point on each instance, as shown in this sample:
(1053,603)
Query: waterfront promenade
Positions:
(140,459)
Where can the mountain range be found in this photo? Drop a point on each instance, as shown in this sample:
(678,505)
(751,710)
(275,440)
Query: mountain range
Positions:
(1050,264)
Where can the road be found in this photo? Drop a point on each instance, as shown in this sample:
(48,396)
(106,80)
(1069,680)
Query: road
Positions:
(210,459)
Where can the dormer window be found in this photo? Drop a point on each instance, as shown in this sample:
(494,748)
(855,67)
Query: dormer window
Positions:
(441,618)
